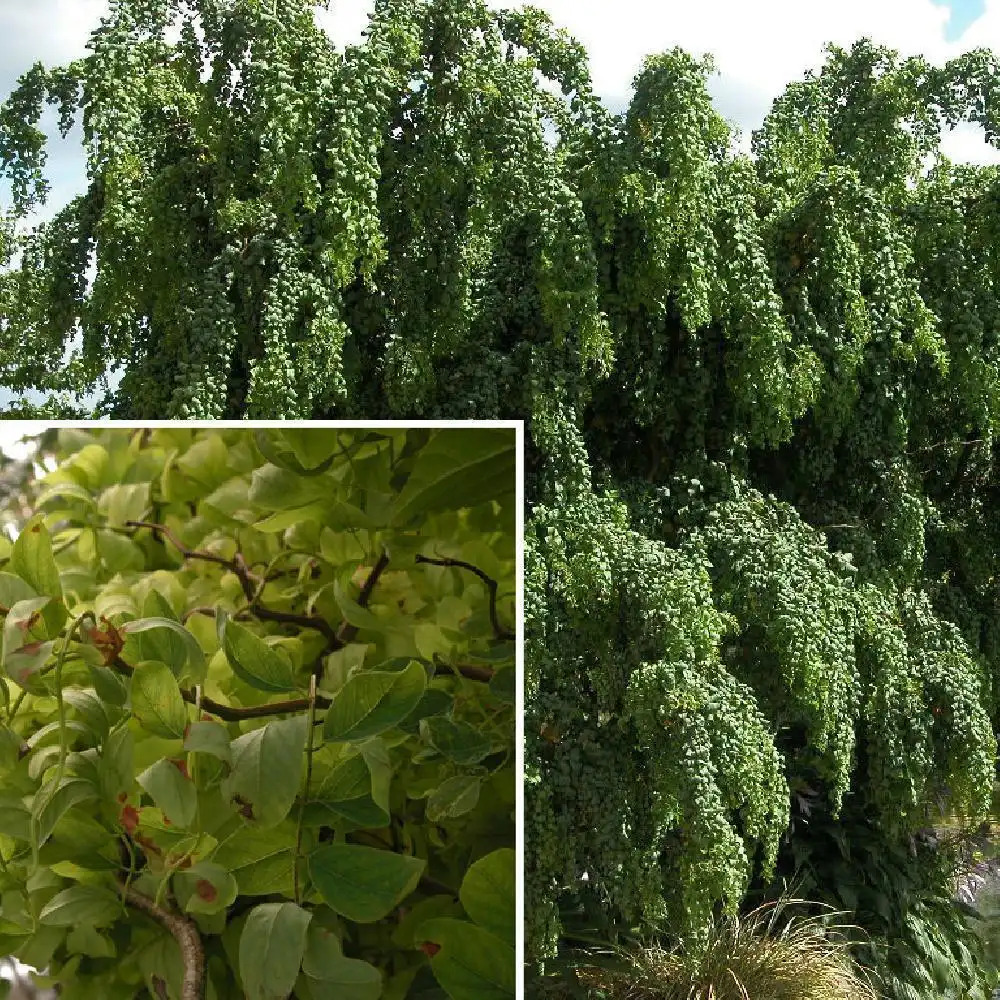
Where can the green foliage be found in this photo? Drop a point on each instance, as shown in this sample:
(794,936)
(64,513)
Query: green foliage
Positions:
(240,672)
(760,393)
(910,934)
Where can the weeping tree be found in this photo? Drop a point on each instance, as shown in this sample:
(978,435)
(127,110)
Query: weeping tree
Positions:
(761,395)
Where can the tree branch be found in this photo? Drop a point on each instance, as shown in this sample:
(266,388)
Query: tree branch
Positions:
(500,631)
(249,582)
(232,713)
(184,932)
(347,631)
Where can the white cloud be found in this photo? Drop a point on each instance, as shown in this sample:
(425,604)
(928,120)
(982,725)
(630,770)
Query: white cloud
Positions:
(757,47)
(13,433)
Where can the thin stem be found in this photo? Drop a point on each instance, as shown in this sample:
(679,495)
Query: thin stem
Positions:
(500,631)
(17,704)
(305,795)
(232,713)
(68,632)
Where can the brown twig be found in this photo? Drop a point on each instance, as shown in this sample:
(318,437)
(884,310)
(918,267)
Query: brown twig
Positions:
(474,672)
(500,631)
(185,933)
(347,631)
(249,582)
(232,713)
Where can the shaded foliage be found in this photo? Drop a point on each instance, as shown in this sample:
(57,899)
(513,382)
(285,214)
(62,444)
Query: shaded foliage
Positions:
(761,392)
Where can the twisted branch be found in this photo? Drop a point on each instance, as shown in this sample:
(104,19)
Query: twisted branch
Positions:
(500,631)
(250,584)
(184,932)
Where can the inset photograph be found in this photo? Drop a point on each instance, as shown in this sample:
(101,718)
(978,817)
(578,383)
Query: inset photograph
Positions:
(257,711)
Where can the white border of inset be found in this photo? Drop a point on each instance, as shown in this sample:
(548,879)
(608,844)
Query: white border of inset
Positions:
(32,428)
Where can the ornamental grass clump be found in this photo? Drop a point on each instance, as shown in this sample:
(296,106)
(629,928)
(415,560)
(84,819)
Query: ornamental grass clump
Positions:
(762,955)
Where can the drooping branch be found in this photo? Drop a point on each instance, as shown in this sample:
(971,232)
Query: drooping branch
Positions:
(499,630)
(186,935)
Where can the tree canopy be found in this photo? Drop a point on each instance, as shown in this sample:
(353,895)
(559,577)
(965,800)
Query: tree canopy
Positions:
(761,391)
(257,715)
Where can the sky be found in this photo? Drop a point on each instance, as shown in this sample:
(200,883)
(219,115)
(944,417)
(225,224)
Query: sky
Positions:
(12,443)
(758,48)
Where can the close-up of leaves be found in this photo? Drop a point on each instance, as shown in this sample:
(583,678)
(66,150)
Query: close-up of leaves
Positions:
(257,714)
(761,391)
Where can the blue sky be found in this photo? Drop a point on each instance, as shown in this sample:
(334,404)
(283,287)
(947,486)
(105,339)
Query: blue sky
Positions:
(758,47)
(962,14)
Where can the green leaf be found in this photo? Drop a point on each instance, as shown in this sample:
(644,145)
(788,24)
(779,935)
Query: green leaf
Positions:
(206,887)
(274,488)
(347,793)
(156,700)
(504,685)
(374,701)
(32,560)
(320,511)
(363,883)
(459,468)
(169,646)
(261,860)
(458,741)
(124,502)
(85,940)
(115,766)
(81,904)
(211,738)
(488,893)
(173,793)
(271,948)
(51,803)
(15,818)
(255,662)
(471,963)
(71,490)
(433,701)
(334,977)
(109,685)
(267,768)
(308,452)
(195,655)
(361,617)
(453,798)
(13,589)
(24,651)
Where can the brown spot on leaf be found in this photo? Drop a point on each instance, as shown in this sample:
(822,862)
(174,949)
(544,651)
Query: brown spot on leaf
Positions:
(246,809)
(129,819)
(147,844)
(181,765)
(206,890)
(430,949)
